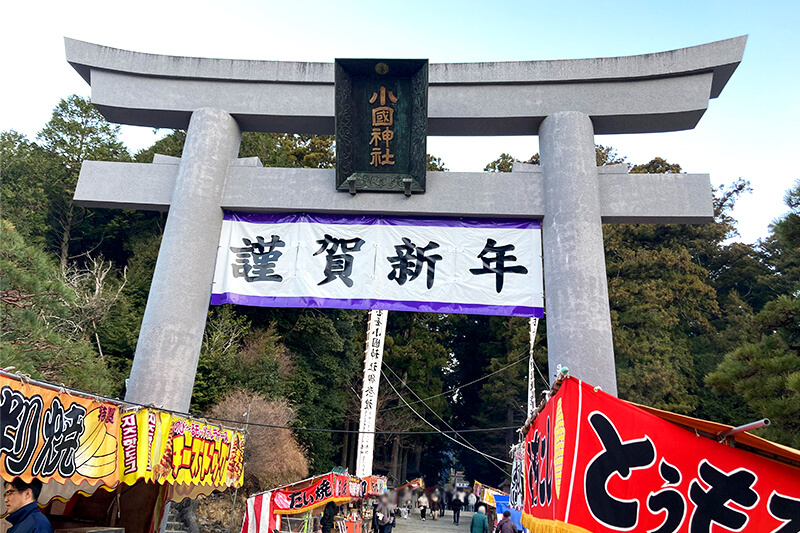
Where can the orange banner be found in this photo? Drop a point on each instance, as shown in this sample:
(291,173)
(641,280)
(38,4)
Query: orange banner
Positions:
(57,435)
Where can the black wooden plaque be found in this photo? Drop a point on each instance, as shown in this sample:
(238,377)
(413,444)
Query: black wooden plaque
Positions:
(381,125)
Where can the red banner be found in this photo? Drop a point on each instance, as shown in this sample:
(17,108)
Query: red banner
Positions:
(596,463)
(332,487)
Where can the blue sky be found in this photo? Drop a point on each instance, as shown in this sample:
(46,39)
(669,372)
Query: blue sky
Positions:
(750,131)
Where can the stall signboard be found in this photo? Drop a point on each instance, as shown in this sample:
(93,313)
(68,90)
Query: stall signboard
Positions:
(331,487)
(165,448)
(143,433)
(596,463)
(439,265)
(374,485)
(56,435)
(486,493)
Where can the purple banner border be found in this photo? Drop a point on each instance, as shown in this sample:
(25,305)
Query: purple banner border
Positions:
(322,218)
(366,303)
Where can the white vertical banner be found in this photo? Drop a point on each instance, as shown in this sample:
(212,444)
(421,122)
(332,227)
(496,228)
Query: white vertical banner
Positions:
(376,335)
(534,324)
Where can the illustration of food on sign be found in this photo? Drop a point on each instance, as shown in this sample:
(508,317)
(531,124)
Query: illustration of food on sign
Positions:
(96,456)
(162,469)
(560,436)
(236,455)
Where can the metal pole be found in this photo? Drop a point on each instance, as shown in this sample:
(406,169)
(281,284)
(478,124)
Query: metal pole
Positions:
(758,424)
(236,492)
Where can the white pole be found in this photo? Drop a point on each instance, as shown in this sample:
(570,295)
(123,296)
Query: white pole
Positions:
(373,359)
(534,323)
(236,492)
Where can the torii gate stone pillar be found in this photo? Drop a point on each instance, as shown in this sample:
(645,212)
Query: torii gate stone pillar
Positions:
(177,304)
(564,102)
(578,314)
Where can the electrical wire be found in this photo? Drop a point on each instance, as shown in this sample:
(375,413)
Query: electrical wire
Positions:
(443,433)
(439,417)
(125,403)
(458,387)
(487,376)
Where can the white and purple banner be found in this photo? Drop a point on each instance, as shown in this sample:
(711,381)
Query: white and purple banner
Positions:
(430,265)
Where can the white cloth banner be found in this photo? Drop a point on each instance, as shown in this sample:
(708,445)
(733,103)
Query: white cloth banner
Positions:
(474,266)
(517,492)
(376,335)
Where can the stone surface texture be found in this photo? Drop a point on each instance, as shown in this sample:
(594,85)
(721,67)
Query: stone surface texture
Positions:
(624,198)
(666,91)
(576,289)
(172,329)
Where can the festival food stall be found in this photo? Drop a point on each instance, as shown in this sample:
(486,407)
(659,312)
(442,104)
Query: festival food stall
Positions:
(487,494)
(297,507)
(595,463)
(106,463)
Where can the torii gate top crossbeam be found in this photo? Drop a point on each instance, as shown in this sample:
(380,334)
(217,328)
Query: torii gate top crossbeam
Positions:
(666,91)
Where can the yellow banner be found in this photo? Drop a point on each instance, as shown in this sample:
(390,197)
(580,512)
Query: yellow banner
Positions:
(142,436)
(164,448)
(51,434)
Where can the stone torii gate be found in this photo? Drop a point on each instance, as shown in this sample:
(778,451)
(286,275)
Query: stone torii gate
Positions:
(564,102)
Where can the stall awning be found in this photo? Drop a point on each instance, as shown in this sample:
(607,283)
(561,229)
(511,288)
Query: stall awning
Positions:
(77,442)
(265,509)
(596,463)
(746,441)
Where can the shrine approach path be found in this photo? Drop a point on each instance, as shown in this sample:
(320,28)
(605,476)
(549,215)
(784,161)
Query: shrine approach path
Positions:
(443,523)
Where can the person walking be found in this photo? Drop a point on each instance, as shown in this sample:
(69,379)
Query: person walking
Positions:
(328,516)
(385,513)
(23,512)
(435,502)
(471,499)
(444,502)
(506,525)
(479,524)
(456,505)
(422,503)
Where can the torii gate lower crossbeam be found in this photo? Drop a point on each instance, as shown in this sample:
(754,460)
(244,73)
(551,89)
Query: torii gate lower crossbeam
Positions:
(580,196)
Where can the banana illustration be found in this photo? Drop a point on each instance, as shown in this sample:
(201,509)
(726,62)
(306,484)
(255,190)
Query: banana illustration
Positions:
(94,432)
(96,455)
(102,464)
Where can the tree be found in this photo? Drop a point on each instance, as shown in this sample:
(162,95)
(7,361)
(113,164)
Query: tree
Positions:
(606,155)
(435,164)
(24,178)
(766,370)
(782,249)
(75,133)
(35,337)
(289,150)
(415,359)
(271,456)
(505,163)
(656,166)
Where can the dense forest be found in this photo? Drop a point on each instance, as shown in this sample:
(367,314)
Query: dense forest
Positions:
(703,325)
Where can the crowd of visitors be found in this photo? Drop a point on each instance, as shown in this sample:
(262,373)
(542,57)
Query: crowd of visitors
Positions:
(434,503)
